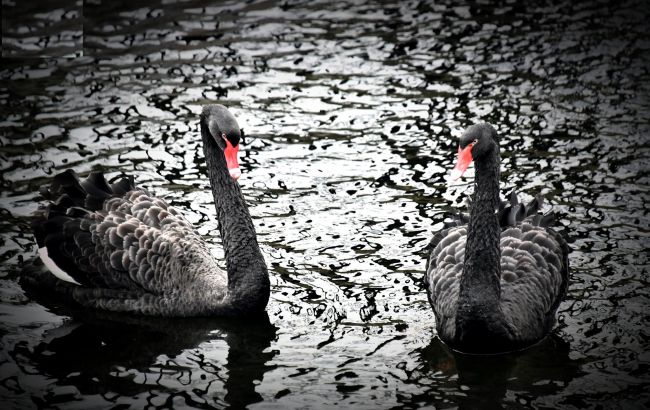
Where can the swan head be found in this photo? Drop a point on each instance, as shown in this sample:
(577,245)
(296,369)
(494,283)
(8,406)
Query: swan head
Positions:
(478,142)
(225,132)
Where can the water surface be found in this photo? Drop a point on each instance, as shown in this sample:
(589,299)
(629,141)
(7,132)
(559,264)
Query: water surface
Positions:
(351,120)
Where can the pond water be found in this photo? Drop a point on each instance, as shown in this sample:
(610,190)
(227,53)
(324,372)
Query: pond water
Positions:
(351,112)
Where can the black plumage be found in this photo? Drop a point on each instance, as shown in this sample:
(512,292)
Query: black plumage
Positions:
(114,246)
(496,278)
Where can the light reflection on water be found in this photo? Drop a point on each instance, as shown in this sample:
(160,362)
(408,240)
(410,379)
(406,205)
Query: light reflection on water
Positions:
(351,120)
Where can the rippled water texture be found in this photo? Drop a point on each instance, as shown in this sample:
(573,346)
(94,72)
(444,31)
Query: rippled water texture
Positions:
(351,119)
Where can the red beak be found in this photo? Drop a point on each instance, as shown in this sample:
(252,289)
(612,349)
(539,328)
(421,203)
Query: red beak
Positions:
(464,158)
(231,159)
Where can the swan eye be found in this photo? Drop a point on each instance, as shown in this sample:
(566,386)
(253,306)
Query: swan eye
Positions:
(475,142)
(227,141)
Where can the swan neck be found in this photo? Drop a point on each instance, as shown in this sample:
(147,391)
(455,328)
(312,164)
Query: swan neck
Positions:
(248,281)
(482,252)
(480,291)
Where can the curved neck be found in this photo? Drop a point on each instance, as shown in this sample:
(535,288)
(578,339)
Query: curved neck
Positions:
(479,309)
(248,280)
(482,252)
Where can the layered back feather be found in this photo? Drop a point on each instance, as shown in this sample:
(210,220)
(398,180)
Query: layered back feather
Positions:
(534,271)
(127,250)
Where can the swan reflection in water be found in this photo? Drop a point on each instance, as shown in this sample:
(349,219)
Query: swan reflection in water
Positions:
(489,381)
(107,355)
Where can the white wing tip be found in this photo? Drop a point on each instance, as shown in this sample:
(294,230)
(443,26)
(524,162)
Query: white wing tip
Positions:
(53,267)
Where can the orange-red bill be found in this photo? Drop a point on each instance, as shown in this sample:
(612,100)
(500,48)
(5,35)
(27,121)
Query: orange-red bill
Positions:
(464,159)
(231,159)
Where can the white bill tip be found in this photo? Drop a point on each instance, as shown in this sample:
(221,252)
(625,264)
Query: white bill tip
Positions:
(455,174)
(235,173)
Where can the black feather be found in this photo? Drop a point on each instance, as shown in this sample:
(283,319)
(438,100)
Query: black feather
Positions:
(95,184)
(510,213)
(124,185)
(62,226)
(67,182)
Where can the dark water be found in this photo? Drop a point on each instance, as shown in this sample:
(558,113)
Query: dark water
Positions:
(351,112)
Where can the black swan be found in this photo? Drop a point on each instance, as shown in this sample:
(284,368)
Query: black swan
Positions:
(495,283)
(116,247)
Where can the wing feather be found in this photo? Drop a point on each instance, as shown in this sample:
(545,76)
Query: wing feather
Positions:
(536,265)
(442,278)
(115,236)
(534,270)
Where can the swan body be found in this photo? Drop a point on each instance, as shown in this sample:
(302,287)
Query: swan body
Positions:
(495,281)
(117,247)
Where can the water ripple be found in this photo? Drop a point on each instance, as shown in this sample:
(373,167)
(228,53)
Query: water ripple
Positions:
(351,119)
